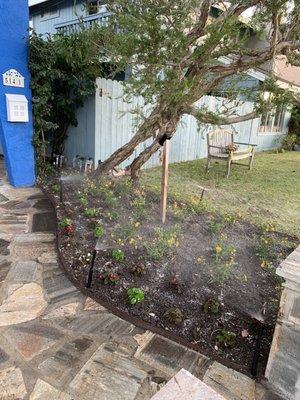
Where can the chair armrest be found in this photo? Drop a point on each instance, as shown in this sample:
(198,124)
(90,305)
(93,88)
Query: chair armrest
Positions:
(216,147)
(246,144)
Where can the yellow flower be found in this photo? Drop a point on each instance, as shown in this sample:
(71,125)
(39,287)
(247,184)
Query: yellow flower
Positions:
(137,224)
(218,248)
(264,264)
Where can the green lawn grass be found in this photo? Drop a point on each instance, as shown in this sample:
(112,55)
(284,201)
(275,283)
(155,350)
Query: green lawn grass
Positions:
(270,193)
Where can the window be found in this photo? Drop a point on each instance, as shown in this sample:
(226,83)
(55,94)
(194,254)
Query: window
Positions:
(92,7)
(49,13)
(96,6)
(273,121)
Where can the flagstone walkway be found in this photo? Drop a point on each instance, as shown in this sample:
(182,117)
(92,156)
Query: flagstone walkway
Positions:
(55,343)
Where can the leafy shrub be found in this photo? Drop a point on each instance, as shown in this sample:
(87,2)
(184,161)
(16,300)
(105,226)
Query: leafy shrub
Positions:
(138,269)
(211,306)
(99,231)
(174,316)
(118,255)
(91,212)
(227,338)
(288,142)
(135,295)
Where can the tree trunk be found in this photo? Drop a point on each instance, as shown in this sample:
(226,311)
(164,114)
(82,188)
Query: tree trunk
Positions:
(168,129)
(147,130)
(142,159)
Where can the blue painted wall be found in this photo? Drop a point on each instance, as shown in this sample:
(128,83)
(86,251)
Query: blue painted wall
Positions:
(16,137)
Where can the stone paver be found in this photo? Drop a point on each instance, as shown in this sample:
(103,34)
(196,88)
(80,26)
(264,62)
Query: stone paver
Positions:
(184,386)
(44,391)
(170,357)
(12,385)
(23,304)
(32,339)
(109,374)
(57,344)
(231,384)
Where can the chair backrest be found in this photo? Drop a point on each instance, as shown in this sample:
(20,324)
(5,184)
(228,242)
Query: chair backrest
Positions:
(219,137)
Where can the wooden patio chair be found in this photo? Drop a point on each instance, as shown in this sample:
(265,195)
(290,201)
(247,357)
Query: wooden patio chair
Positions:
(220,146)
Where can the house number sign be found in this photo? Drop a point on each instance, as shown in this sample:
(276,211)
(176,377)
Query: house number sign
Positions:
(13,78)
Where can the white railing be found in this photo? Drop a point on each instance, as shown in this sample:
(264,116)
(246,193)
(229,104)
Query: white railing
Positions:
(79,24)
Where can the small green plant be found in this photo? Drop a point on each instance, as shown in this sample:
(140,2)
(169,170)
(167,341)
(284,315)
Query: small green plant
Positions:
(138,269)
(91,212)
(127,231)
(135,295)
(165,240)
(229,219)
(174,316)
(83,200)
(195,205)
(56,188)
(113,215)
(264,248)
(216,225)
(211,306)
(123,187)
(139,204)
(65,222)
(118,255)
(176,285)
(227,338)
(223,261)
(110,278)
(99,231)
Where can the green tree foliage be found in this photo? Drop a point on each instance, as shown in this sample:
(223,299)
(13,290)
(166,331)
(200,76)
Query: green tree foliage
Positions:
(63,71)
(294,124)
(180,51)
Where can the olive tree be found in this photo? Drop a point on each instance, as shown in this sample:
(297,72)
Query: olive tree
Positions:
(179,51)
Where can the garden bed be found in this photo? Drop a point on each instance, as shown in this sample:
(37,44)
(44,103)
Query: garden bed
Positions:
(202,279)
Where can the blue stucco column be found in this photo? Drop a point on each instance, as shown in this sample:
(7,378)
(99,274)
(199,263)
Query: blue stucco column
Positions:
(16,136)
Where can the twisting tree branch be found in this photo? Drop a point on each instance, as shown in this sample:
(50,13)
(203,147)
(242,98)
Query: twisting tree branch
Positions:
(207,118)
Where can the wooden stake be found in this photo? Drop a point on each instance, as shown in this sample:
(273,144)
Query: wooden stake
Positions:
(164,181)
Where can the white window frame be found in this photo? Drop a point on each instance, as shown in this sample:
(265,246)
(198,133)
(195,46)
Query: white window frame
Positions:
(268,127)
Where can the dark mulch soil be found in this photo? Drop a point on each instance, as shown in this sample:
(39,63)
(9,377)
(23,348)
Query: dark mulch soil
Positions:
(184,276)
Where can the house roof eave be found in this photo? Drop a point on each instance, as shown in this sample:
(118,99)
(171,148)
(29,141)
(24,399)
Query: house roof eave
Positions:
(32,3)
